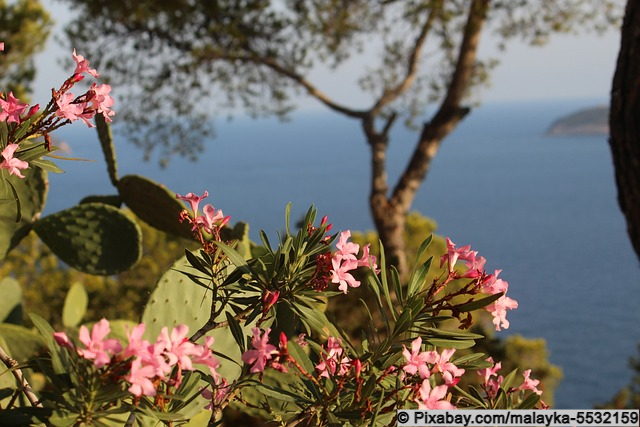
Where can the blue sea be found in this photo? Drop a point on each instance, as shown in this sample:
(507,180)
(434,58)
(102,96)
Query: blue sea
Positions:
(542,209)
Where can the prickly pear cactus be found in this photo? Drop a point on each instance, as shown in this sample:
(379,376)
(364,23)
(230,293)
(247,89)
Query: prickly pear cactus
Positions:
(94,238)
(22,343)
(240,234)
(11,301)
(153,204)
(108,149)
(16,219)
(177,300)
(75,305)
(113,200)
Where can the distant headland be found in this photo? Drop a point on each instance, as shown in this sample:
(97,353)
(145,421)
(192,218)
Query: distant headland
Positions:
(589,121)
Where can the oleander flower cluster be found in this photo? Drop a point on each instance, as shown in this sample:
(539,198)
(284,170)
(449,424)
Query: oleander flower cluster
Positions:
(482,281)
(26,122)
(146,366)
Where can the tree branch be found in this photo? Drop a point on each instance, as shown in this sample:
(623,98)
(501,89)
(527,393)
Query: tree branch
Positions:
(300,80)
(392,94)
(450,111)
(23,385)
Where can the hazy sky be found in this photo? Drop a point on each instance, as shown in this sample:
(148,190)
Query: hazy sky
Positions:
(570,66)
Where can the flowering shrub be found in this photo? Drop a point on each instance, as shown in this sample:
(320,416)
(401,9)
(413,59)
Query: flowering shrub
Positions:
(277,353)
(21,124)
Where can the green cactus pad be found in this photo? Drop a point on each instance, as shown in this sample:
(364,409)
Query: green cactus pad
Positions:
(239,233)
(22,343)
(75,305)
(94,238)
(11,301)
(108,149)
(153,204)
(113,200)
(177,300)
(32,193)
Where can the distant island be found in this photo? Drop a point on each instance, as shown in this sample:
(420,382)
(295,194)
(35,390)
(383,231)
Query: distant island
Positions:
(590,121)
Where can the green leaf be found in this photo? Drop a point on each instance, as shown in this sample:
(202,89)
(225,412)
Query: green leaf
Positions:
(384,282)
(480,303)
(473,395)
(529,402)
(445,343)
(300,356)
(16,199)
(4,134)
(280,394)
(197,263)
(287,218)
(235,257)
(470,358)
(75,305)
(46,331)
(507,383)
(47,165)
(418,277)
(236,331)
(404,322)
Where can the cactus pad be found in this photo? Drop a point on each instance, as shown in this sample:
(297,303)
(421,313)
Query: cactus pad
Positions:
(108,149)
(94,238)
(11,301)
(177,300)
(154,204)
(32,192)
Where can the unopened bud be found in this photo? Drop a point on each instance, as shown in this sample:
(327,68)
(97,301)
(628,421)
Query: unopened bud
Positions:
(33,110)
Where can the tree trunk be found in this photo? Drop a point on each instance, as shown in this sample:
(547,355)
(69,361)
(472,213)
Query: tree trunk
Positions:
(389,211)
(624,122)
(390,220)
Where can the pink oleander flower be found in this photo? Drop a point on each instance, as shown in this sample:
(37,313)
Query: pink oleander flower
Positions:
(140,379)
(493,385)
(498,310)
(12,108)
(82,65)
(63,340)
(194,201)
(417,360)
(489,372)
(475,266)
(218,397)
(98,348)
(1,46)
(262,351)
(68,109)
(492,285)
(177,347)
(340,273)
(203,355)
(331,363)
(346,250)
(211,219)
(346,259)
(12,164)
(101,101)
(453,255)
(137,347)
(450,372)
(368,260)
(530,384)
(433,398)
